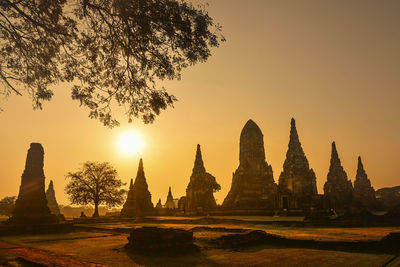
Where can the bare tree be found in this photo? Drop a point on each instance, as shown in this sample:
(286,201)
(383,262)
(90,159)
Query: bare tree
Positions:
(113,51)
(95,183)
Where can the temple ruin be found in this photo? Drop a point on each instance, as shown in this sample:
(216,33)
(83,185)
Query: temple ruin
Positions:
(169,203)
(364,193)
(201,188)
(253,185)
(31,205)
(138,202)
(338,190)
(51,199)
(297,182)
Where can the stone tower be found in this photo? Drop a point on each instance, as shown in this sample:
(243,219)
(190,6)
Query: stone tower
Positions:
(138,202)
(297,182)
(51,199)
(364,193)
(201,188)
(338,190)
(169,204)
(253,186)
(159,206)
(31,205)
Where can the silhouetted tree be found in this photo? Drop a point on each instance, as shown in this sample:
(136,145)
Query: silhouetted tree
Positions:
(112,50)
(95,183)
(7,205)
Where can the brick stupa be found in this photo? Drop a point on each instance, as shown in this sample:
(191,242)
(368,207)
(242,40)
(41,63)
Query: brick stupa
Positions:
(138,202)
(253,186)
(338,190)
(31,205)
(297,182)
(51,199)
(169,203)
(200,190)
(364,193)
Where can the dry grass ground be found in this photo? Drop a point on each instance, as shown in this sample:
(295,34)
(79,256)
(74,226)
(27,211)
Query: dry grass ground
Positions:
(108,248)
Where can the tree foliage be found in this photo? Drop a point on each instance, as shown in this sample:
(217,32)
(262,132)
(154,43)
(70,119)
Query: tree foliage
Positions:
(7,205)
(113,51)
(95,183)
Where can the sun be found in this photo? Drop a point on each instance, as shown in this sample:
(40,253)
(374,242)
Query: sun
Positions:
(130,142)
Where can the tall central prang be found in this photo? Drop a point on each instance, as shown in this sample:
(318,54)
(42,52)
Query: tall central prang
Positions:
(253,186)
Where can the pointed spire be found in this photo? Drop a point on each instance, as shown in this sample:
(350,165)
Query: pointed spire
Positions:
(335,160)
(361,174)
(363,190)
(360,165)
(51,186)
(51,199)
(338,190)
(140,169)
(50,189)
(131,185)
(169,194)
(198,163)
(334,154)
(294,137)
(140,172)
(140,177)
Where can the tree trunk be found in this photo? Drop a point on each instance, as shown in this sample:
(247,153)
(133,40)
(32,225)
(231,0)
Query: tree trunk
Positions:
(96,210)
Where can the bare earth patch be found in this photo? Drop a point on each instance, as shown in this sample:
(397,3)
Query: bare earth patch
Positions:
(107,247)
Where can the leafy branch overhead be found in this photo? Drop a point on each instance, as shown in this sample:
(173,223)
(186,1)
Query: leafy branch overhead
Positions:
(112,51)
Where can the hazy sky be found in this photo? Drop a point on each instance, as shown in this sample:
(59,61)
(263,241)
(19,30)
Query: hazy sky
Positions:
(332,65)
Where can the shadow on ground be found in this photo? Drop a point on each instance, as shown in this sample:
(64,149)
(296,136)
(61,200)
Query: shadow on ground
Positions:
(190,259)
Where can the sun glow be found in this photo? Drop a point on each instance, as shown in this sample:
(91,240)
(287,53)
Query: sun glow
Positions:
(130,143)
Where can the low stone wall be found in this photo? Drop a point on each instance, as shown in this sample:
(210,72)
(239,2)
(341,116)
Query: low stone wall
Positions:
(154,240)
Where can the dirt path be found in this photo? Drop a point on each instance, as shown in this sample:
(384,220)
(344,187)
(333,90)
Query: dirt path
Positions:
(42,257)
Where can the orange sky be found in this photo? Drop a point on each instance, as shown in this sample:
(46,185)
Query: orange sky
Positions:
(332,65)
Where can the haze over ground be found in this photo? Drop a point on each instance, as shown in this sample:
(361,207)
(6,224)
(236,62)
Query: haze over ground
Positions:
(333,66)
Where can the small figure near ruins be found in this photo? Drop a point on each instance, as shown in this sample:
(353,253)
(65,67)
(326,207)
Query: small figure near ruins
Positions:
(201,188)
(138,202)
(338,190)
(364,193)
(51,199)
(297,182)
(253,186)
(31,205)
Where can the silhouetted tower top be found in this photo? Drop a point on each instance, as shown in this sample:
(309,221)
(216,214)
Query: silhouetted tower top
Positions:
(335,160)
(169,192)
(51,186)
(251,150)
(35,158)
(294,142)
(170,197)
(361,174)
(131,185)
(198,162)
(140,169)
(334,153)
(362,179)
(336,170)
(140,177)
